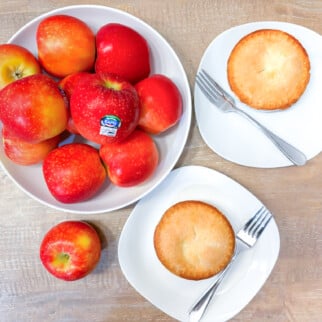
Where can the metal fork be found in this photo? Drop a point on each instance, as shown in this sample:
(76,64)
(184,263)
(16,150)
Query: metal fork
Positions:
(225,102)
(245,239)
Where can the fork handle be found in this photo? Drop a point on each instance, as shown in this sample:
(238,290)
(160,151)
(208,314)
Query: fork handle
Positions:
(199,309)
(293,154)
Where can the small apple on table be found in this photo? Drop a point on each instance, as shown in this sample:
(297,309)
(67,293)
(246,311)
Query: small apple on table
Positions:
(70,250)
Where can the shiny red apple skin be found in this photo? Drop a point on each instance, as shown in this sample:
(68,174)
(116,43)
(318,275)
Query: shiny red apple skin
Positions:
(161,103)
(73,172)
(25,153)
(131,161)
(67,84)
(70,250)
(16,62)
(33,108)
(104,108)
(122,51)
(65,45)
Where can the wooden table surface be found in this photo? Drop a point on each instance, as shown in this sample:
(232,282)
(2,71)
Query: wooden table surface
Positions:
(293,291)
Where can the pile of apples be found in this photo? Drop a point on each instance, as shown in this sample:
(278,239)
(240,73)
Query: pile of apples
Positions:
(95,86)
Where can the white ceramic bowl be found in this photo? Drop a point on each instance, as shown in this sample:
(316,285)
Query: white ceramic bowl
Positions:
(170,144)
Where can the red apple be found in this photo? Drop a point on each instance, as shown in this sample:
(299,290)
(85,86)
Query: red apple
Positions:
(33,109)
(161,103)
(25,153)
(70,127)
(122,51)
(65,45)
(70,250)
(104,108)
(67,84)
(131,161)
(16,62)
(74,172)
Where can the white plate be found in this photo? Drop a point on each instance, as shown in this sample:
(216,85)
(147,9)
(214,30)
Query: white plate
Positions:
(233,137)
(164,60)
(175,295)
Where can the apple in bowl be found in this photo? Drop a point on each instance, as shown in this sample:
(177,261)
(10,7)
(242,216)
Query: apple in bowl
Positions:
(104,108)
(73,172)
(161,103)
(131,161)
(65,45)
(122,51)
(25,153)
(33,109)
(16,62)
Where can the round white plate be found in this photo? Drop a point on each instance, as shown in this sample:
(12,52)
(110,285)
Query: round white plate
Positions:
(164,61)
(237,140)
(175,295)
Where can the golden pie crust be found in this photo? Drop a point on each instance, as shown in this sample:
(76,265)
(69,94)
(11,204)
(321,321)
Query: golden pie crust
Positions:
(194,240)
(268,69)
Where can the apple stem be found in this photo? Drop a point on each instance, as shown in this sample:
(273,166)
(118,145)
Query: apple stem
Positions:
(63,257)
(113,85)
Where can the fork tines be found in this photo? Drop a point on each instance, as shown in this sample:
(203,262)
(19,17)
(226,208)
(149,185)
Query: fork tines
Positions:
(212,90)
(255,225)
(205,80)
(212,82)
(206,88)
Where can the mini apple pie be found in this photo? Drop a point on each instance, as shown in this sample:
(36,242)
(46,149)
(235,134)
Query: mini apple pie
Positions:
(268,69)
(194,240)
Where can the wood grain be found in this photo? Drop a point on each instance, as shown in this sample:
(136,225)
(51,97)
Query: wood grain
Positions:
(293,292)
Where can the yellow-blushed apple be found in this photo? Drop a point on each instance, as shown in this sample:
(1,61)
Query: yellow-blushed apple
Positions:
(16,62)
(65,45)
(70,250)
(33,108)
(25,153)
